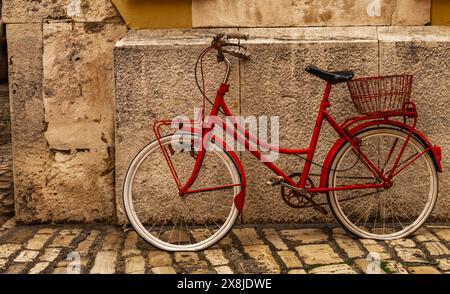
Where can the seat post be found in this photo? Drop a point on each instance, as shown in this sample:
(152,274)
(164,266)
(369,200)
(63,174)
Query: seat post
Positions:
(326,95)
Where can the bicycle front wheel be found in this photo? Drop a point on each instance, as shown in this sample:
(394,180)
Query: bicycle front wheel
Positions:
(379,213)
(172,222)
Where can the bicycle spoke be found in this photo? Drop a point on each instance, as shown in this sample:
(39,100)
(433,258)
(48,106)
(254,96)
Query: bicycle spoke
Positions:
(156,201)
(399,205)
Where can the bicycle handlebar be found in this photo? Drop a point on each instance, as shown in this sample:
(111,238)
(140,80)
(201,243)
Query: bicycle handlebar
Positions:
(222,40)
(239,36)
(237,53)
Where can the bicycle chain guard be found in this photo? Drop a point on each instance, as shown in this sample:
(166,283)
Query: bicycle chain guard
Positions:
(295,199)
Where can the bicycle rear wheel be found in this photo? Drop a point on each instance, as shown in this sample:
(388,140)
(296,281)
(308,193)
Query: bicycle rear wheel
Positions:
(172,222)
(378,213)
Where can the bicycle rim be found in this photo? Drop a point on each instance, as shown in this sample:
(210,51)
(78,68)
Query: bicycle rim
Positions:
(180,223)
(384,214)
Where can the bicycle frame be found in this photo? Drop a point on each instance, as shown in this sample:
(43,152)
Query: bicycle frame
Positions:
(243,137)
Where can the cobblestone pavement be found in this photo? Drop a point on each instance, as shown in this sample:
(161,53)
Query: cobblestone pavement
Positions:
(292,249)
(6,177)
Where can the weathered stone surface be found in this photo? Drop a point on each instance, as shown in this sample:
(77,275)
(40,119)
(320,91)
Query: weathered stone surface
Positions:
(39,268)
(419,51)
(130,245)
(402,243)
(37,242)
(6,250)
(159,258)
(135,265)
(79,111)
(27,112)
(26,256)
(164,270)
(186,257)
(318,254)
(333,269)
(444,264)
(84,246)
(223,270)
(276,13)
(273,237)
(297,272)
(3,262)
(17,268)
(113,241)
(436,248)
(373,247)
(58,179)
(368,266)
(423,235)
(216,257)
(305,236)
(349,246)
(24,11)
(423,270)
(263,255)
(411,254)
(444,234)
(290,259)
(155,80)
(105,263)
(248,236)
(50,254)
(395,267)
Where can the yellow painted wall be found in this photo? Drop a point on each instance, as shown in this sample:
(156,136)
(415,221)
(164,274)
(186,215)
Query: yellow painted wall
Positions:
(154,14)
(139,14)
(440,12)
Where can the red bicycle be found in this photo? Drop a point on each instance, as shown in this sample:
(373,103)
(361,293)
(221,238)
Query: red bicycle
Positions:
(381,175)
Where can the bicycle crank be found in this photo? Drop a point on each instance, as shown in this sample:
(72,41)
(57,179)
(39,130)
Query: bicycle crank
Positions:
(297,197)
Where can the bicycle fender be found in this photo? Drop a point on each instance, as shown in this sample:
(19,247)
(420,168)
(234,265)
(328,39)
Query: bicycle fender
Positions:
(239,199)
(435,151)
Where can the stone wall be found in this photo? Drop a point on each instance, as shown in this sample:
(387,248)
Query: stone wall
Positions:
(286,13)
(74,132)
(273,82)
(62,93)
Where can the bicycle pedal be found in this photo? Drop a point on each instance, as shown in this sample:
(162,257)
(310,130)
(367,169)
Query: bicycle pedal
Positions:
(274,182)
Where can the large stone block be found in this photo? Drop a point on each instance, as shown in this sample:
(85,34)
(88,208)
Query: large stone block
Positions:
(284,13)
(154,81)
(26,11)
(78,91)
(61,80)
(29,147)
(274,83)
(425,53)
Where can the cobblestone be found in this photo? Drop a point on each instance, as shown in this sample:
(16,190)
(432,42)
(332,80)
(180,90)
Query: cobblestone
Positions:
(103,249)
(263,255)
(305,236)
(411,254)
(444,234)
(224,269)
(105,263)
(368,266)
(423,270)
(350,247)
(395,267)
(318,254)
(135,265)
(436,249)
(248,236)
(272,236)
(333,269)
(159,258)
(444,264)
(216,257)
(290,259)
